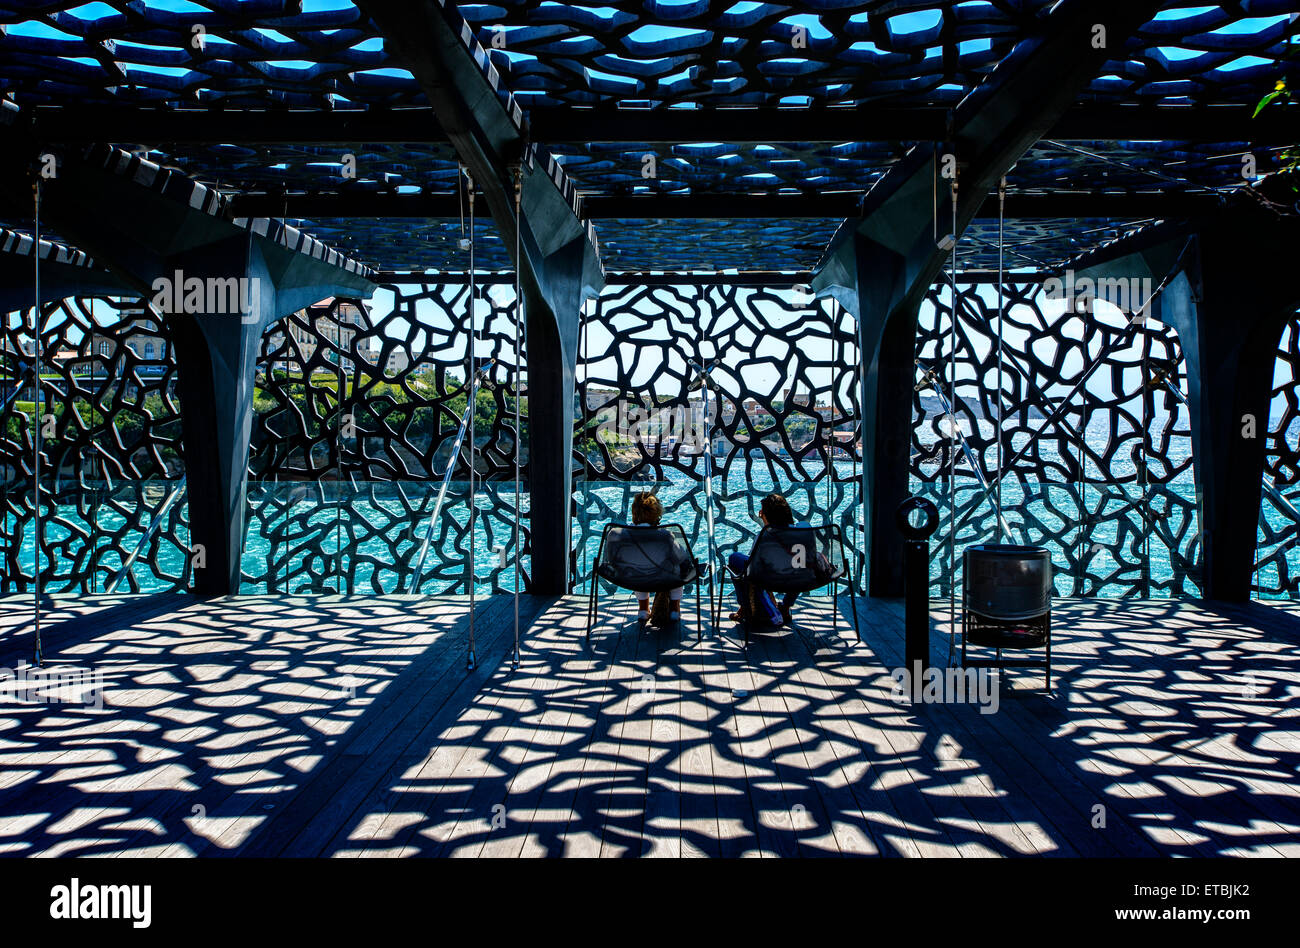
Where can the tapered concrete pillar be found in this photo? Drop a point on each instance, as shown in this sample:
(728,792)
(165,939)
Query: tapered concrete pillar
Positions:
(218,282)
(1229,308)
(537,212)
(870,288)
(881,265)
(216,352)
(553,325)
(1229,297)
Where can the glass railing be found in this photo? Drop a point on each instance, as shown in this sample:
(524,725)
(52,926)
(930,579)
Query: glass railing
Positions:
(366,537)
(99,537)
(1106,540)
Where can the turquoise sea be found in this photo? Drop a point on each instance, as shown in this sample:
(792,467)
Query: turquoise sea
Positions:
(346,538)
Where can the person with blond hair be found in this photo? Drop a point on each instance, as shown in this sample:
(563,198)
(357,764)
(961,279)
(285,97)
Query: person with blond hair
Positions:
(647,511)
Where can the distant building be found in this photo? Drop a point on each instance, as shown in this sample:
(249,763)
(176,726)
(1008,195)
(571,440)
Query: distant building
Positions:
(398,362)
(141,339)
(338,325)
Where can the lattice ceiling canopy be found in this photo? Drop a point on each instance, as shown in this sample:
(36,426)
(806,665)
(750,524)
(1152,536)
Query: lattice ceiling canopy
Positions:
(687,56)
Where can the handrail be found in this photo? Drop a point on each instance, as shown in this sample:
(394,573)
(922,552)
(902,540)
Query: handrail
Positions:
(152,529)
(21,377)
(442,493)
(927,382)
(708,469)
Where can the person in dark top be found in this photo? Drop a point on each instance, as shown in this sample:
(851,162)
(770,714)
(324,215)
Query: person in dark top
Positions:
(774,512)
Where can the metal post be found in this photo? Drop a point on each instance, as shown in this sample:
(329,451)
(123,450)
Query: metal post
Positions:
(39,655)
(519,364)
(1002,205)
(916,579)
(471,383)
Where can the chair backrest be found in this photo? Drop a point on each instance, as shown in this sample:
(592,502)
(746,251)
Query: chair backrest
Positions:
(646,559)
(796,559)
(1007,583)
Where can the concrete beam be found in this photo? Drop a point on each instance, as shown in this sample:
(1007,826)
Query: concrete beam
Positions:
(558,259)
(881,264)
(1229,296)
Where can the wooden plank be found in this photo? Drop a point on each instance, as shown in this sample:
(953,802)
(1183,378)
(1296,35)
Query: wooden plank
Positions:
(882,730)
(622,806)
(738,830)
(583,835)
(359,765)
(661,802)
(410,795)
(109,723)
(932,762)
(232,807)
(524,696)
(701,834)
(773,820)
(1178,823)
(278,815)
(1023,733)
(814,827)
(555,658)
(1149,721)
(824,752)
(558,794)
(1018,790)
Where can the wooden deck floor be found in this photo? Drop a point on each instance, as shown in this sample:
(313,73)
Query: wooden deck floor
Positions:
(274,726)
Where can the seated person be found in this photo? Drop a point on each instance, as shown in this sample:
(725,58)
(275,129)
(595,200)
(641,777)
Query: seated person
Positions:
(774,512)
(647,511)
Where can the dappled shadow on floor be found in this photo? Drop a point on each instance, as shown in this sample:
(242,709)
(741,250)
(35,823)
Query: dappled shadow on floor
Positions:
(213,714)
(350,727)
(1167,733)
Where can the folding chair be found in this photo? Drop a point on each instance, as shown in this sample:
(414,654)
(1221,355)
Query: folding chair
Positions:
(647,560)
(1007,605)
(797,560)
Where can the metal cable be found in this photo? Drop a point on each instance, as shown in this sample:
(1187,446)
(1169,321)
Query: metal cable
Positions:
(1124,336)
(831,506)
(519,364)
(472,408)
(952,422)
(1002,211)
(828,474)
(1106,159)
(39,655)
(585,520)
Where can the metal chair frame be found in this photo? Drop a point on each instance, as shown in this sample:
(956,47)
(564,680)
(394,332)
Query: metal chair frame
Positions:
(841,574)
(701,572)
(973,620)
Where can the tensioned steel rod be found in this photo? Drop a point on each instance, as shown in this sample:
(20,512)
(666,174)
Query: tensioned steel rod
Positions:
(860,520)
(340,382)
(961,438)
(472,576)
(39,658)
(519,364)
(1002,205)
(437,505)
(13,394)
(827,474)
(952,455)
(1125,336)
(154,524)
(586,455)
(705,369)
